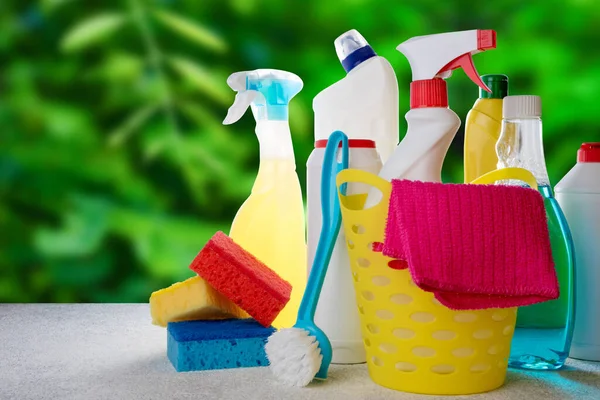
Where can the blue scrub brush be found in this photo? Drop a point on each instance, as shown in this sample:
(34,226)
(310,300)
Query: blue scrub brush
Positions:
(299,354)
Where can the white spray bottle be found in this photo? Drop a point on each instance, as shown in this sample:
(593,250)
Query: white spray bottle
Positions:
(431,124)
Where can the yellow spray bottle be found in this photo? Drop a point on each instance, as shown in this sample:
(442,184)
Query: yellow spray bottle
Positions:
(270,224)
(482,128)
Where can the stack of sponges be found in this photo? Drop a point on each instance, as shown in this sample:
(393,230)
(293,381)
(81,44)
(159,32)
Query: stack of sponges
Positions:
(202,314)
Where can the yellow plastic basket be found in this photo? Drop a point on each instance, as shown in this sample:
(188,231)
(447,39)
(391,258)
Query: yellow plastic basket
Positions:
(413,343)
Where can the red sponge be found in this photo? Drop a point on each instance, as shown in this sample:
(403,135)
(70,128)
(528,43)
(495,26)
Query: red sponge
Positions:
(242,278)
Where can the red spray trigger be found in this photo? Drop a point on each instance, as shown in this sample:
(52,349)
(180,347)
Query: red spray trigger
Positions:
(486,40)
(466,63)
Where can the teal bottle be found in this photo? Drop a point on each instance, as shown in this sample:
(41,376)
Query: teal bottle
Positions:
(543,332)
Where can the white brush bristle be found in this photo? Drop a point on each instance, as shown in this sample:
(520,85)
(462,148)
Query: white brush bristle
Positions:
(294,356)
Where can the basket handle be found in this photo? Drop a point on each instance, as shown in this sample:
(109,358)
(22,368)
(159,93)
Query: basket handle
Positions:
(360,176)
(519,174)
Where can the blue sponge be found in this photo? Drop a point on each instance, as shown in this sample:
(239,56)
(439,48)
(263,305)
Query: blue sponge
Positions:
(219,344)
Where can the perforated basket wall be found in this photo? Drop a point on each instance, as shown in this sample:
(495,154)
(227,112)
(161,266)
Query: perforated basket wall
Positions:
(413,343)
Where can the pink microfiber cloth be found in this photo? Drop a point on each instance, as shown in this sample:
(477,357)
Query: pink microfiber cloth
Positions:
(473,246)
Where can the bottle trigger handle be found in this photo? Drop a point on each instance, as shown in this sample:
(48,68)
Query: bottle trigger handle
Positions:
(466,63)
(240,105)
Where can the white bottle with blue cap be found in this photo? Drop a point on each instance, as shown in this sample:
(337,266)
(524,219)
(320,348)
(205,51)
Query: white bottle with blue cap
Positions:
(363,105)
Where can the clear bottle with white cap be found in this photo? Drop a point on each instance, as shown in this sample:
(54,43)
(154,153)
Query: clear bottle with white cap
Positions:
(543,332)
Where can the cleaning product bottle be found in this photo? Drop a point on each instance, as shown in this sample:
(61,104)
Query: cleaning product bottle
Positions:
(364,104)
(270,223)
(431,124)
(578,194)
(482,128)
(337,312)
(543,333)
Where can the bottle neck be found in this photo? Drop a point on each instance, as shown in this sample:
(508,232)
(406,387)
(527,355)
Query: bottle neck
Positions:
(275,140)
(428,93)
(490,107)
(357,57)
(269,112)
(521,145)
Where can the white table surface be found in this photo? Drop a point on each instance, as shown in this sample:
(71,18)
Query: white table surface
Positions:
(111,351)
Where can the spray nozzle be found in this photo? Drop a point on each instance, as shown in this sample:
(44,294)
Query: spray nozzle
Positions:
(267,91)
(436,56)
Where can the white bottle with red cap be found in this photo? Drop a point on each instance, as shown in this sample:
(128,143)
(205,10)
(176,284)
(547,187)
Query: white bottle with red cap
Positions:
(431,124)
(337,313)
(578,194)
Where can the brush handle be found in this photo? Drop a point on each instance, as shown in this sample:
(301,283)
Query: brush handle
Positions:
(330,228)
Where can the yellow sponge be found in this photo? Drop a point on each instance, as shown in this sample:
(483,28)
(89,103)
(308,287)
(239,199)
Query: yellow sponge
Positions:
(192,299)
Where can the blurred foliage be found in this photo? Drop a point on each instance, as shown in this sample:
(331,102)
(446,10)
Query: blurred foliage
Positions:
(114,165)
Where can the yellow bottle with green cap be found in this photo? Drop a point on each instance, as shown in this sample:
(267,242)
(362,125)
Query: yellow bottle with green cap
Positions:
(482,128)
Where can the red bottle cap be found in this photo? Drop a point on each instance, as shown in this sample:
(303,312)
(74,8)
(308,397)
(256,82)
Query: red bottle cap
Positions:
(589,152)
(428,93)
(352,143)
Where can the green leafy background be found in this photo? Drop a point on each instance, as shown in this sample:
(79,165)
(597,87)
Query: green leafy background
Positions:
(115,168)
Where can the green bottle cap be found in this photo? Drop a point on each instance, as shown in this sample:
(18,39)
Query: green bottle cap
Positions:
(497,83)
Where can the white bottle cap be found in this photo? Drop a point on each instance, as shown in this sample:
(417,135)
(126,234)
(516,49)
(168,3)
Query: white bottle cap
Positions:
(514,107)
(348,42)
